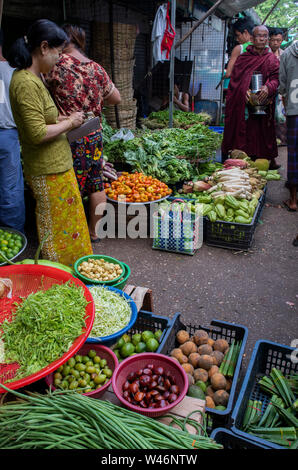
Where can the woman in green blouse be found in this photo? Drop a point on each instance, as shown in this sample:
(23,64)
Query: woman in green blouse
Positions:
(47,158)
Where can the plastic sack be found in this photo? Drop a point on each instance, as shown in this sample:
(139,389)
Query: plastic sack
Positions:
(123,134)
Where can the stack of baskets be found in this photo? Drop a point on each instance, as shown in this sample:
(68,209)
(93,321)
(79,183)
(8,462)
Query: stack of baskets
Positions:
(124,37)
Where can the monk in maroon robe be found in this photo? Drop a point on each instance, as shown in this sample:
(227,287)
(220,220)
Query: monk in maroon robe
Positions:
(256,134)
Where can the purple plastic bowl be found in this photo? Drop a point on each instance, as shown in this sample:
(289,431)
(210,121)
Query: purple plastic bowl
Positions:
(105,353)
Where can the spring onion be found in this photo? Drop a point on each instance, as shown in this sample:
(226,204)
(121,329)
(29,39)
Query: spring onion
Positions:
(44,326)
(112,312)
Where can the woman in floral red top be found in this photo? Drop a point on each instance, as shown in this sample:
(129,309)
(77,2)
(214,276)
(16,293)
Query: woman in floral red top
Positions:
(79,84)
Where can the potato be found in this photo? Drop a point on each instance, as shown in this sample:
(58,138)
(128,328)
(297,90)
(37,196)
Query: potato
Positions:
(190,379)
(205,362)
(218,381)
(217,357)
(200,374)
(221,397)
(205,349)
(229,384)
(193,359)
(188,348)
(209,391)
(210,342)
(201,337)
(221,345)
(182,359)
(182,336)
(212,370)
(189,369)
(209,402)
(176,353)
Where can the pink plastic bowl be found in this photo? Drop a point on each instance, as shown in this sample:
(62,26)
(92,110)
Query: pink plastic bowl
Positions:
(105,353)
(139,361)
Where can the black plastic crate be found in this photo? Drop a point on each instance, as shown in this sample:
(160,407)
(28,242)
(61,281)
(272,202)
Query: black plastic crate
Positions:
(231,235)
(150,321)
(266,355)
(229,440)
(216,329)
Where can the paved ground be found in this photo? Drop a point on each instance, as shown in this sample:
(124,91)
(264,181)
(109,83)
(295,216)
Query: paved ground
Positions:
(258,289)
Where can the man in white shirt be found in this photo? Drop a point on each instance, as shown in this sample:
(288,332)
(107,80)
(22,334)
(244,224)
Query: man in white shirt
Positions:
(12,205)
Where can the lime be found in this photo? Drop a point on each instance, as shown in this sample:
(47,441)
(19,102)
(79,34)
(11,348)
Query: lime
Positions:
(136,338)
(147,335)
(120,343)
(127,349)
(141,347)
(202,385)
(127,338)
(152,344)
(158,334)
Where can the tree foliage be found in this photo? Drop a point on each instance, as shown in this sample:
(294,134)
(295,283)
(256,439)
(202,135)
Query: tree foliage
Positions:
(283,16)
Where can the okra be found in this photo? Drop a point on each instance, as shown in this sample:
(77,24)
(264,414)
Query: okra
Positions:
(282,386)
(254,416)
(286,415)
(280,436)
(223,369)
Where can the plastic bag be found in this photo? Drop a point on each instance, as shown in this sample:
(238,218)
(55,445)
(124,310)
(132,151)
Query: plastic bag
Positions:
(3,284)
(123,134)
(279,111)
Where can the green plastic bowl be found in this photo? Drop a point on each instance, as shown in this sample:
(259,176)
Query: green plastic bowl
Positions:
(121,283)
(93,281)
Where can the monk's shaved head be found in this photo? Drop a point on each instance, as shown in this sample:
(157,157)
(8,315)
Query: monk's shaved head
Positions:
(260,29)
(260,37)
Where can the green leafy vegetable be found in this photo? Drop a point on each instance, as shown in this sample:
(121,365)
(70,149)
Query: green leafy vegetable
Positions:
(44,326)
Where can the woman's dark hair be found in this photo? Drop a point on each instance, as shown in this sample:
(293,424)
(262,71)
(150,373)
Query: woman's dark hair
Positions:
(76,35)
(243,24)
(19,55)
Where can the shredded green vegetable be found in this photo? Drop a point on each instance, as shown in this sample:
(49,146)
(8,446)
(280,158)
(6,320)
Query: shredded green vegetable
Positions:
(44,326)
(112,312)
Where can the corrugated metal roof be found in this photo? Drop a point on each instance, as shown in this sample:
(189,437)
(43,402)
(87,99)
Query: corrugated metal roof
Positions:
(230,8)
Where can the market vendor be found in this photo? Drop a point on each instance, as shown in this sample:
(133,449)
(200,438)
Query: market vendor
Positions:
(77,83)
(254,134)
(180,100)
(243,33)
(47,159)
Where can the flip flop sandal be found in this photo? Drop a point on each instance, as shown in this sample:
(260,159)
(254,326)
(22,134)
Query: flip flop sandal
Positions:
(289,208)
(96,240)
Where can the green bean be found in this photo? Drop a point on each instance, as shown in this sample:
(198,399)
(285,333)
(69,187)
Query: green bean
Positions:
(73,421)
